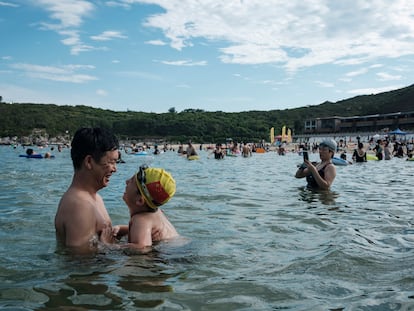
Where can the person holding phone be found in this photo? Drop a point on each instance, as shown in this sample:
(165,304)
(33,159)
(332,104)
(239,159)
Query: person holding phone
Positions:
(305,155)
(322,174)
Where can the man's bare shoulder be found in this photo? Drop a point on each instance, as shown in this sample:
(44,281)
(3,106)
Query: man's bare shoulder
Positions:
(72,197)
(75,199)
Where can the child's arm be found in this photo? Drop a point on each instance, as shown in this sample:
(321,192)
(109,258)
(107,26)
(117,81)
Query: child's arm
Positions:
(141,232)
(119,231)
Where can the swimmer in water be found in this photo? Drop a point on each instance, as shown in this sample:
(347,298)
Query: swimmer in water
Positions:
(145,192)
(81,215)
(322,174)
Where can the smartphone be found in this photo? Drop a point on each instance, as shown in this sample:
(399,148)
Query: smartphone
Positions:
(305,155)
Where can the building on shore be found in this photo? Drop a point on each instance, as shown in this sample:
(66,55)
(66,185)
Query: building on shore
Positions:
(369,123)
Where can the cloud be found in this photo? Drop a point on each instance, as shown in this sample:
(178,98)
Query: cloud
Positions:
(73,40)
(376,66)
(66,73)
(117,4)
(184,63)
(357,72)
(295,34)
(9,4)
(156,42)
(70,15)
(109,35)
(383,76)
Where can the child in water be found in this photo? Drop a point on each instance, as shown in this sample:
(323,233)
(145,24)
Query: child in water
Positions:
(145,192)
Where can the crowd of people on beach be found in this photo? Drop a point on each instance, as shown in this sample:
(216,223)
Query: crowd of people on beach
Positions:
(373,149)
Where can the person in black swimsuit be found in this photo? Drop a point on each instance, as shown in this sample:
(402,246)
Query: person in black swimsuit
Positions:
(322,174)
(359,154)
(218,152)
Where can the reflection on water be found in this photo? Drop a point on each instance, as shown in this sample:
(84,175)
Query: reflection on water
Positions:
(108,281)
(326,197)
(253,238)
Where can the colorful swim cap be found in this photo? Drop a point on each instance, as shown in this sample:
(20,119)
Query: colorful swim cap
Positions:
(156,185)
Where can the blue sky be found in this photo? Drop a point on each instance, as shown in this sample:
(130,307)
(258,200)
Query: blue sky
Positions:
(213,55)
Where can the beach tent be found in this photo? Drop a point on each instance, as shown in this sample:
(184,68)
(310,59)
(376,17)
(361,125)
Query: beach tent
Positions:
(397,132)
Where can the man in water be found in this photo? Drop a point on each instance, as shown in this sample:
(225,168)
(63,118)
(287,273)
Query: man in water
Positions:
(246,151)
(81,214)
(191,150)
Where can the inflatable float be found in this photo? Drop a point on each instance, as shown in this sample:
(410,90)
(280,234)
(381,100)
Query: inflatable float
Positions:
(35,156)
(372,157)
(260,150)
(339,161)
(193,157)
(140,153)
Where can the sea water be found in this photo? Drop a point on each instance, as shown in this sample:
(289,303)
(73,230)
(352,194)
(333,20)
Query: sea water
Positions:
(253,238)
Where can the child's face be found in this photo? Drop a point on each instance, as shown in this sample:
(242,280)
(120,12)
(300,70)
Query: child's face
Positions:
(131,191)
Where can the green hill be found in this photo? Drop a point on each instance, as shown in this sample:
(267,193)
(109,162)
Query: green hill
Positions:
(198,125)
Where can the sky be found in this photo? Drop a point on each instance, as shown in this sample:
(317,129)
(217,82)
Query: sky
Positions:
(227,55)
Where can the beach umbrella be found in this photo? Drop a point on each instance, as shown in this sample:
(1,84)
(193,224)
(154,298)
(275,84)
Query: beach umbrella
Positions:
(397,132)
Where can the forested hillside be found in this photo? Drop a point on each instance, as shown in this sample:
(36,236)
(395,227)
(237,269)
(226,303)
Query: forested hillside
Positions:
(198,125)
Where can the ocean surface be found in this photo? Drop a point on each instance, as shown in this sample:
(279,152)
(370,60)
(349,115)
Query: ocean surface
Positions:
(253,238)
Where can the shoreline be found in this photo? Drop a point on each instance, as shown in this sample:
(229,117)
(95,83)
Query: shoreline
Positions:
(344,140)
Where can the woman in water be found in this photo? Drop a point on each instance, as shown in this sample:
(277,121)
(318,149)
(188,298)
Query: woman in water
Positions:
(359,154)
(320,175)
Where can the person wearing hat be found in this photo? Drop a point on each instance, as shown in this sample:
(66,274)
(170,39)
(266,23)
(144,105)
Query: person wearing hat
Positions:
(323,173)
(145,192)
